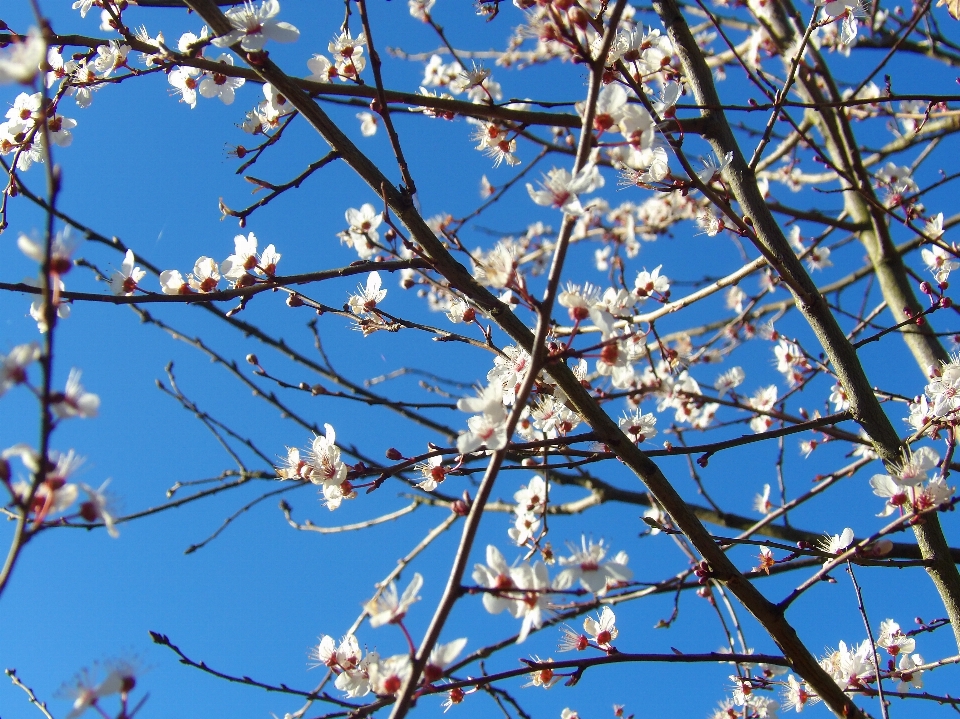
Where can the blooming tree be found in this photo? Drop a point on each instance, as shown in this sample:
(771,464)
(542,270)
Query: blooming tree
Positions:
(595,374)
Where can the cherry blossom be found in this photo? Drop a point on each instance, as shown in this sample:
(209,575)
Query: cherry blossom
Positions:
(13,366)
(533,583)
(20,60)
(253,26)
(483,431)
(586,565)
(713,166)
(368,123)
(939,261)
(497,575)
(124,281)
(388,676)
(321,69)
(96,508)
(603,629)
(648,283)
(347,656)
(215,84)
(347,53)
(433,473)
(74,401)
(390,608)
(639,427)
(362,232)
(796,695)
(185,81)
(761,502)
(836,544)
(561,189)
(239,266)
(365,300)
(420,9)
(908,674)
(440,658)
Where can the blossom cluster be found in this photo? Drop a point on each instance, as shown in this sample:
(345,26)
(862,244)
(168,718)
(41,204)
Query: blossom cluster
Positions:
(321,465)
(358,674)
(23,133)
(524,589)
(243,268)
(907,487)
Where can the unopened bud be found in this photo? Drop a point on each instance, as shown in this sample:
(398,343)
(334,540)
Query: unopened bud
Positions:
(946,302)
(469,314)
(89,512)
(394,454)
(925,287)
(294,301)
(578,17)
(252,359)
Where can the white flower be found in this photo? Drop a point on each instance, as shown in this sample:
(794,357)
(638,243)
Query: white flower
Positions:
(534,600)
(585,564)
(731,379)
(321,69)
(184,81)
(939,261)
(713,166)
(387,677)
(96,508)
(639,427)
(362,232)
(368,123)
(909,677)
(346,656)
(216,84)
(483,431)
(388,607)
(560,189)
(420,9)
(648,283)
(433,473)
(836,544)
(441,657)
(761,502)
(366,298)
(124,281)
(74,401)
(602,629)
(13,367)
(347,53)
(20,60)
(252,27)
